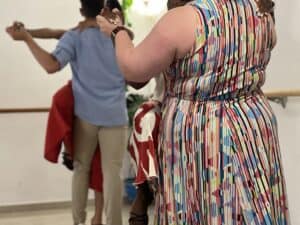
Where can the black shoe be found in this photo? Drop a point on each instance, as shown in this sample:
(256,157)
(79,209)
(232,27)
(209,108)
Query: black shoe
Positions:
(136,219)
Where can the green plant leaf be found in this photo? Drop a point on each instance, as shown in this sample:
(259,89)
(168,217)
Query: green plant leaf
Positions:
(126,4)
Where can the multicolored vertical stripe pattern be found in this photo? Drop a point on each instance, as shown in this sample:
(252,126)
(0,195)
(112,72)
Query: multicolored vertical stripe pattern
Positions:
(219,156)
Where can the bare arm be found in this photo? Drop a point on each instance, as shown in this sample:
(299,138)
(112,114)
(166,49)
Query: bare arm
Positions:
(44,58)
(43,33)
(49,33)
(46,33)
(172,38)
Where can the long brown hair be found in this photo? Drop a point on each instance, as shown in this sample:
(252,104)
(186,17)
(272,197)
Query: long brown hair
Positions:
(265,6)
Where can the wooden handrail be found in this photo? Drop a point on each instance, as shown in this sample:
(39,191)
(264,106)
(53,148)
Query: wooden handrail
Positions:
(269,94)
(282,93)
(24,110)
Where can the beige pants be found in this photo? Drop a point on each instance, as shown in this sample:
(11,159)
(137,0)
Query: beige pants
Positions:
(113,142)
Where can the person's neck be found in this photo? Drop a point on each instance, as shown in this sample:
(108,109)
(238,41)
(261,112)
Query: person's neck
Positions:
(90,19)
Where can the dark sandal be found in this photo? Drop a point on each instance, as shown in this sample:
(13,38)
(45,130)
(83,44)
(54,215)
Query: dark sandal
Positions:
(148,193)
(136,219)
(67,160)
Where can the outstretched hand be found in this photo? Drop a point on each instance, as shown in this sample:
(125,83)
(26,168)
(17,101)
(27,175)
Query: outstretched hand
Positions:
(108,21)
(17,31)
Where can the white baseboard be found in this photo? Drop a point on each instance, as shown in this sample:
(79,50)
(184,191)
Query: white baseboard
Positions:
(39,206)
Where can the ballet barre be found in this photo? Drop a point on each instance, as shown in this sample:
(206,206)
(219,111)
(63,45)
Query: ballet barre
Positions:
(278,96)
(24,110)
(281,96)
(283,93)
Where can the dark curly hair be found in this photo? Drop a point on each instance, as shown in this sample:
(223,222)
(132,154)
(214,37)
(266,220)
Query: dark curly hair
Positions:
(92,8)
(265,6)
(114,4)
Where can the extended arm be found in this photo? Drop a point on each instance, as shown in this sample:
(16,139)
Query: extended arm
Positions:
(44,58)
(49,33)
(46,33)
(43,33)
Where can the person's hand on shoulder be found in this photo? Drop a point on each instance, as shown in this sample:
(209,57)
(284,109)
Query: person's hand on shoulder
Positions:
(109,20)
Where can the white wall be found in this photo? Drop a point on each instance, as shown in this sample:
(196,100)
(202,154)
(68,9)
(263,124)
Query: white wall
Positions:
(283,70)
(289,134)
(26,84)
(25,177)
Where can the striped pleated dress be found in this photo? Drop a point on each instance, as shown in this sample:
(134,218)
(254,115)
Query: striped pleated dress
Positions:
(219,156)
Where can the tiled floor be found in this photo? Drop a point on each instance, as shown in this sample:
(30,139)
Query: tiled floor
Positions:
(51,217)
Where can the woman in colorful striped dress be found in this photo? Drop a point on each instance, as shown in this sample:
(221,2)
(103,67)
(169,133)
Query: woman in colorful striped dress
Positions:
(219,155)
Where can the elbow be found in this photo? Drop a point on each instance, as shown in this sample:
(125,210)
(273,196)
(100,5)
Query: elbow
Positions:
(140,79)
(58,36)
(132,73)
(128,74)
(50,71)
(137,85)
(53,68)
(129,66)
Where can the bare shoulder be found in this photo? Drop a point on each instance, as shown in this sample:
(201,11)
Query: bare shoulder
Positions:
(180,16)
(178,26)
(172,38)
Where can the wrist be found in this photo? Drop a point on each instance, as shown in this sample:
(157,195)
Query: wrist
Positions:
(27,37)
(119,29)
(29,31)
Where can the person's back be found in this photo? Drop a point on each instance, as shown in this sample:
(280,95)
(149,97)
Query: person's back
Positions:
(233,48)
(219,154)
(98,85)
(218,127)
(100,112)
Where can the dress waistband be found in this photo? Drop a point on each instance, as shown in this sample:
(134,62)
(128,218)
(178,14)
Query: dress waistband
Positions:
(233,96)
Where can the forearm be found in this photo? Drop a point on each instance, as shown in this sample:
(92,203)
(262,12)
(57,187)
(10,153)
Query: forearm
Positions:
(46,33)
(44,58)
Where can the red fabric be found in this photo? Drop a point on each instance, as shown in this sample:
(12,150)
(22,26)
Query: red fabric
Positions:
(59,131)
(143,140)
